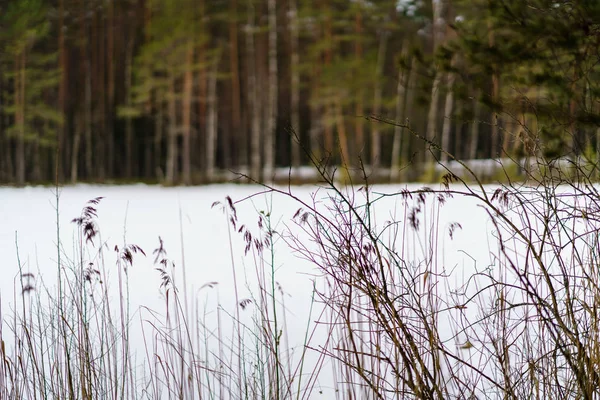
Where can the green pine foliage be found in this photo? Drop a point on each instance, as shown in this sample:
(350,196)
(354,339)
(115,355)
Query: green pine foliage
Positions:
(525,71)
(545,53)
(30,65)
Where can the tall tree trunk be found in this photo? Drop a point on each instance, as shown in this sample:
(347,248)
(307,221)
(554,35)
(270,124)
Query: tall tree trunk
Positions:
(36,172)
(316,120)
(148,148)
(519,132)
(187,114)
(75,150)
(130,162)
(342,135)
(19,81)
(328,113)
(459,149)
(295,85)
(572,141)
(448,110)
(89,149)
(506,128)
(172,152)
(100,96)
(475,127)
(199,146)
(62,89)
(253,106)
(375,131)
(495,150)
(440,9)
(432,116)
(359,106)
(401,89)
(211,123)
(271,128)
(110,98)
(411,88)
(240,153)
(159,172)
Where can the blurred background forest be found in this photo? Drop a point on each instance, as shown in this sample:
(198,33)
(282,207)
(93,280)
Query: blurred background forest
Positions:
(179,91)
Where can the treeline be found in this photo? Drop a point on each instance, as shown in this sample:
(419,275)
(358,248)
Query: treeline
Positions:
(178,90)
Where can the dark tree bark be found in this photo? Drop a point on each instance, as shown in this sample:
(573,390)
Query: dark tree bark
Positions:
(295,84)
(271,122)
(238,133)
(172,150)
(252,99)
(187,114)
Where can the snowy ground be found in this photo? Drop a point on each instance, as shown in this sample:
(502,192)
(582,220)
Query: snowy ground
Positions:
(198,234)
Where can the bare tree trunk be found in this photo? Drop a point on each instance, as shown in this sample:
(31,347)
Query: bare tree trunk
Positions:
(459,149)
(19,81)
(271,128)
(359,106)
(495,149)
(432,115)
(328,139)
(253,106)
(158,138)
(200,145)
(100,97)
(572,141)
(75,151)
(236,113)
(89,149)
(401,89)
(129,134)
(475,128)
(520,132)
(405,145)
(506,127)
(110,134)
(448,110)
(36,173)
(295,85)
(148,148)
(375,132)
(211,124)
(341,129)
(172,153)
(62,90)
(187,114)
(316,123)
(440,8)
(328,113)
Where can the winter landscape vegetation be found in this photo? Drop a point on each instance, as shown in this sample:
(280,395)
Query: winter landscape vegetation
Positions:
(296,199)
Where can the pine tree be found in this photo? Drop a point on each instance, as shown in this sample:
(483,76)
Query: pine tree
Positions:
(535,57)
(34,78)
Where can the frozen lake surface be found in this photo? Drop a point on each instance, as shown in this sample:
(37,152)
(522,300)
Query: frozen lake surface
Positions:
(190,227)
(196,237)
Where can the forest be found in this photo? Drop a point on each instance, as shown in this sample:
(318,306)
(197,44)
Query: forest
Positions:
(182,91)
